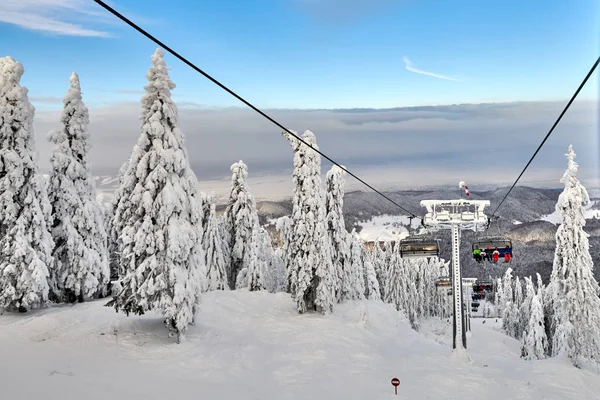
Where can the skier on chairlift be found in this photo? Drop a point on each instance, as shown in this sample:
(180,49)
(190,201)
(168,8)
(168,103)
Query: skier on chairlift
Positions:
(489,253)
(507,254)
(496,255)
(484,255)
(477,254)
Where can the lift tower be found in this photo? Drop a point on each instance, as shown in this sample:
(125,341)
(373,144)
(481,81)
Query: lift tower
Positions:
(456,215)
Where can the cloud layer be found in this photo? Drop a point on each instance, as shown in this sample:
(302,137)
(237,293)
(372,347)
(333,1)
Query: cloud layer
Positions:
(487,143)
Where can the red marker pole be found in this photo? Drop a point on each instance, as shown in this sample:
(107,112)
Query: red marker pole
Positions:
(396,383)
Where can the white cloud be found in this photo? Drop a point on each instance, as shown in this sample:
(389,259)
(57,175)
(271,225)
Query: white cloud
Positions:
(410,67)
(62,17)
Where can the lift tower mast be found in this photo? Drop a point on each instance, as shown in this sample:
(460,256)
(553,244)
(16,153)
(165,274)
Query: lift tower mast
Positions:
(456,215)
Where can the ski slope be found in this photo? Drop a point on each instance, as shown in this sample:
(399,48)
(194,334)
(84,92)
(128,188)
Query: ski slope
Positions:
(251,345)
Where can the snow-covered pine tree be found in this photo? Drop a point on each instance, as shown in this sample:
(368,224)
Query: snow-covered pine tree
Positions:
(510,316)
(277,272)
(372,286)
(284,226)
(312,274)
(242,221)
(120,213)
(336,230)
(518,304)
(525,308)
(394,292)
(534,344)
(213,250)
(499,299)
(540,284)
(355,273)
(162,229)
(81,268)
(25,240)
(573,292)
(225,240)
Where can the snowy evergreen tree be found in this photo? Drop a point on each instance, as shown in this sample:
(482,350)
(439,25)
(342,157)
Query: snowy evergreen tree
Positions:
(525,308)
(161,237)
(81,267)
(534,344)
(121,211)
(372,284)
(284,226)
(256,275)
(242,221)
(213,250)
(25,240)
(394,290)
(277,272)
(310,262)
(354,275)
(336,229)
(573,292)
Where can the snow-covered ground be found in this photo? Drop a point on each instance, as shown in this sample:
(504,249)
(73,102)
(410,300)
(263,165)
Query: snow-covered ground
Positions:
(589,214)
(252,345)
(386,227)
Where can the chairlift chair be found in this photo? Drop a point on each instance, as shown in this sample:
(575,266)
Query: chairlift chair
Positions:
(443,281)
(493,242)
(419,246)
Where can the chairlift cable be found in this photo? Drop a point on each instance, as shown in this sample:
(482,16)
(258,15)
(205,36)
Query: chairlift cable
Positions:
(587,77)
(231,92)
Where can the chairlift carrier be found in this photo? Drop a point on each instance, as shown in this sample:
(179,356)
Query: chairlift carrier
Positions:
(493,242)
(419,246)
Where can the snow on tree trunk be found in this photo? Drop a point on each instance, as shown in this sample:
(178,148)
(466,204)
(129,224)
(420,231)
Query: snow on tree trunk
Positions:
(534,344)
(336,229)
(162,231)
(25,240)
(242,220)
(312,272)
(81,267)
(573,292)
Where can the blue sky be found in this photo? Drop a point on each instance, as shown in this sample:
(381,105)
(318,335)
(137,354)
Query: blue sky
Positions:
(322,54)
(310,53)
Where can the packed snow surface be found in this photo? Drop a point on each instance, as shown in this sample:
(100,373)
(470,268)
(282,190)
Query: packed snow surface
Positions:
(254,345)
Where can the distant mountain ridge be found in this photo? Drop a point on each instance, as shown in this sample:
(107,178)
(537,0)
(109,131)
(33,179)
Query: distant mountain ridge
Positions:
(520,220)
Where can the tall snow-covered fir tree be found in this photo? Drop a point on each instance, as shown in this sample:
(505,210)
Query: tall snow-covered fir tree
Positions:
(121,211)
(162,233)
(242,223)
(25,240)
(572,294)
(310,263)
(213,249)
(372,291)
(534,344)
(81,268)
(336,229)
(354,275)
(284,226)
